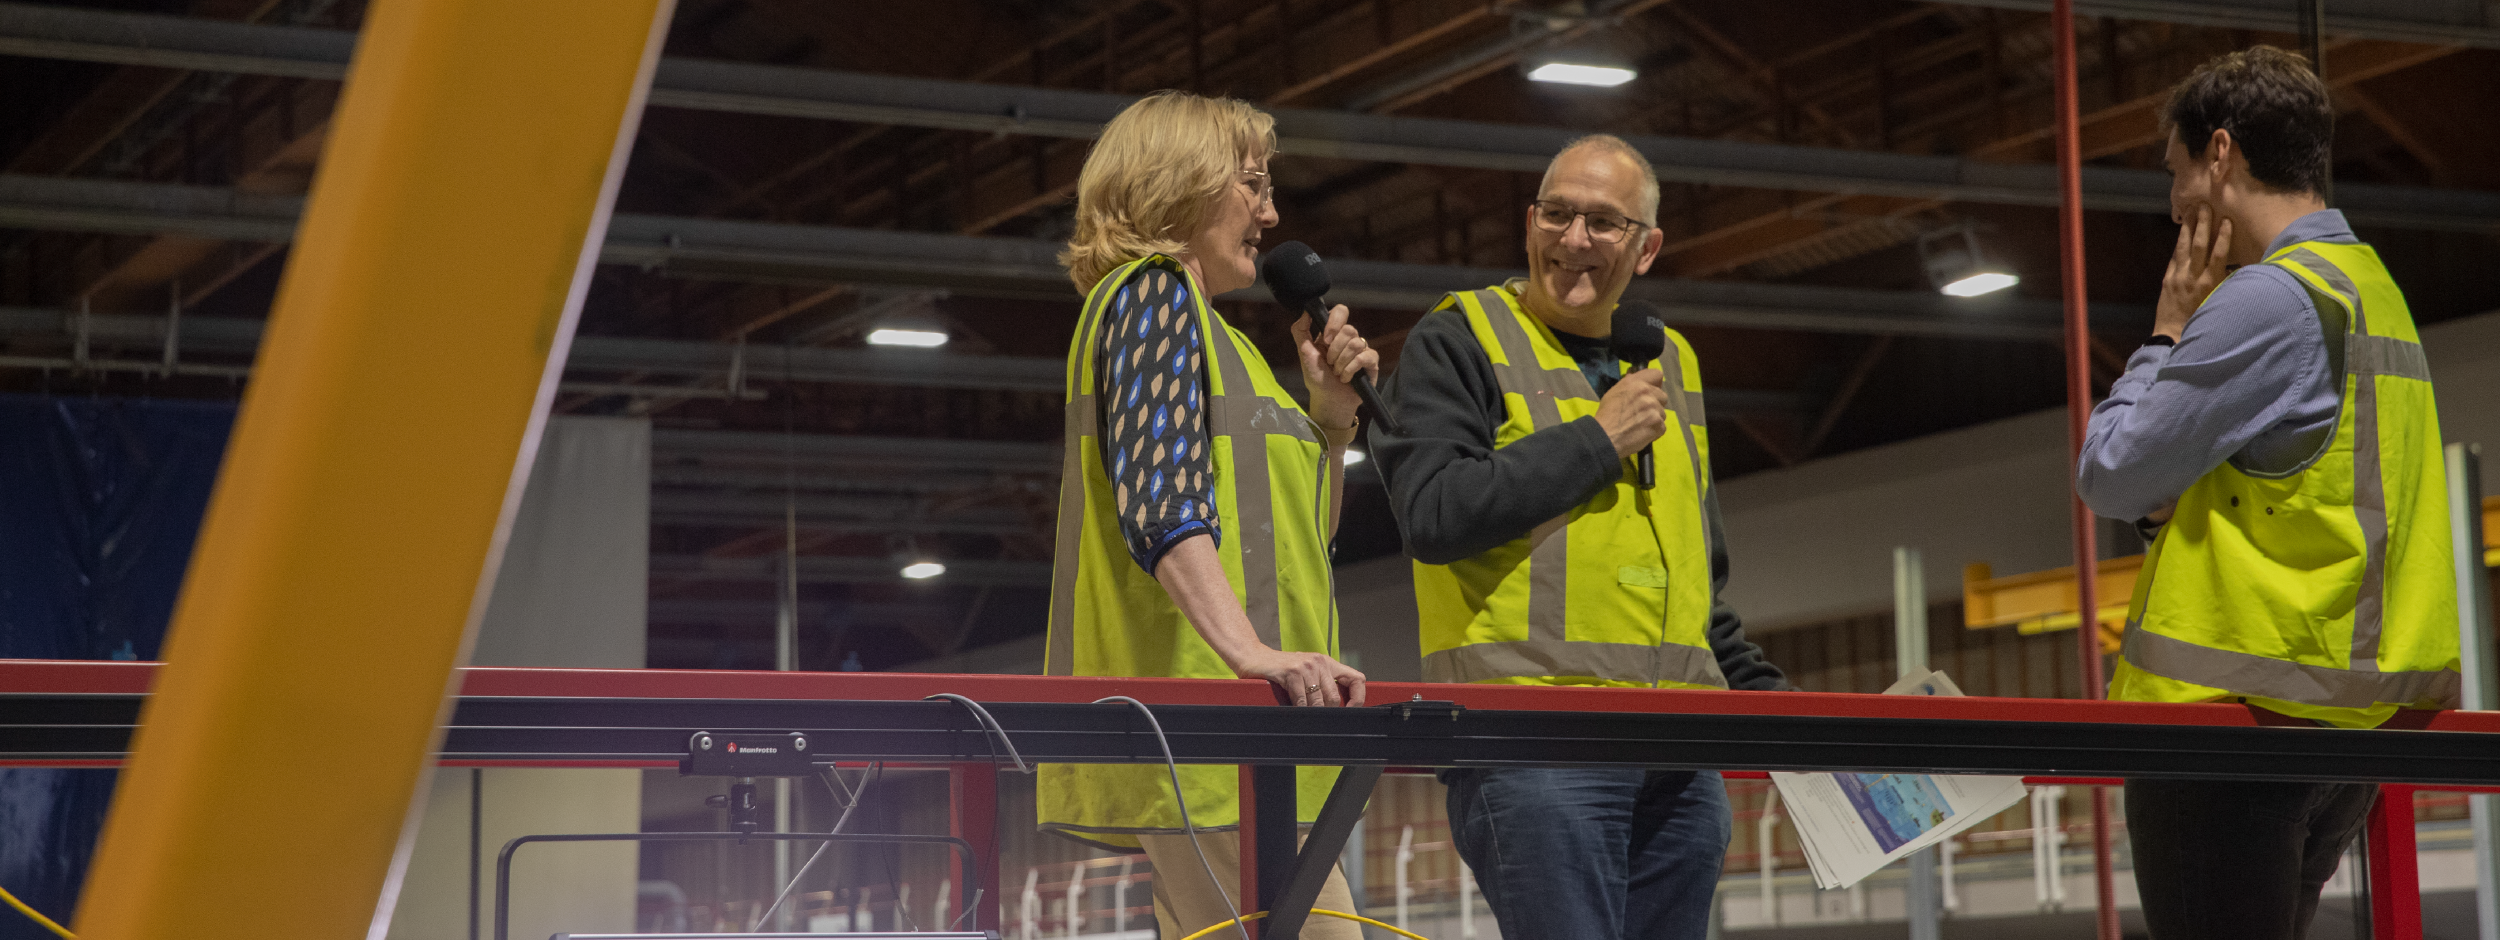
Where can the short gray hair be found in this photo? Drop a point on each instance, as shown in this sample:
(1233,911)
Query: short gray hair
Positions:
(1648,204)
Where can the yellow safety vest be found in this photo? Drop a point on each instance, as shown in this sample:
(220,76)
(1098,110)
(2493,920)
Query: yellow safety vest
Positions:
(1614,593)
(1108,617)
(2324,592)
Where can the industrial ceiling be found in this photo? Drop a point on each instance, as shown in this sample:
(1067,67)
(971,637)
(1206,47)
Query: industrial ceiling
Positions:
(809,171)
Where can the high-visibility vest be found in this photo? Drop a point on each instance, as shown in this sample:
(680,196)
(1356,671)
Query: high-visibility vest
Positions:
(2324,592)
(1614,593)
(1108,617)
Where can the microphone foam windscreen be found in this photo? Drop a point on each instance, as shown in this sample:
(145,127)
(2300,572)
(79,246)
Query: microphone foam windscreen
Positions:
(1294,274)
(1640,333)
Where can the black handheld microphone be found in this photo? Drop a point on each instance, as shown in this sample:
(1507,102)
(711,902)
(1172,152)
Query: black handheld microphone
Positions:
(1640,337)
(1299,280)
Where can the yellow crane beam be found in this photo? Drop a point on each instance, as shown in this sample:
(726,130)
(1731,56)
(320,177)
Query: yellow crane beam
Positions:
(2044,601)
(381,448)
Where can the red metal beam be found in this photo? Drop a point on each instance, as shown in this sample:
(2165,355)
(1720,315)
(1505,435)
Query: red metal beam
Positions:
(71,676)
(972,815)
(2395,876)
(2078,413)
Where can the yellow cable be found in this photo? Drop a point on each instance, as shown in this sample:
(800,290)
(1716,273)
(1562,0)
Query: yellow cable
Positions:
(64,931)
(1354,917)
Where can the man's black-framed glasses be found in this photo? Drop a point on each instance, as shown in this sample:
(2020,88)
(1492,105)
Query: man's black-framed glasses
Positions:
(1604,226)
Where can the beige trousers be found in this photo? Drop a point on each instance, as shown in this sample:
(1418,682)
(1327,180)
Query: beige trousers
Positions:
(1186,902)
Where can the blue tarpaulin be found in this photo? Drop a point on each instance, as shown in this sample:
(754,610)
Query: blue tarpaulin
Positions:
(100,500)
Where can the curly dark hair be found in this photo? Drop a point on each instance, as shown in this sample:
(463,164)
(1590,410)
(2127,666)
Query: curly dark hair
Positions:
(2275,108)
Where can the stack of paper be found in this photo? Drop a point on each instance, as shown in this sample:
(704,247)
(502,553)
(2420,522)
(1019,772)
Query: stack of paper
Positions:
(1853,824)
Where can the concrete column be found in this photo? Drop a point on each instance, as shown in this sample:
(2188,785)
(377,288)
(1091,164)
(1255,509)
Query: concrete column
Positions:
(1923,895)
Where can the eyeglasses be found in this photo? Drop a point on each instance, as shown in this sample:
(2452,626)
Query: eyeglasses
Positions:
(1261,187)
(1604,226)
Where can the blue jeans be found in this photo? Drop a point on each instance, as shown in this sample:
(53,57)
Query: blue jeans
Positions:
(1568,854)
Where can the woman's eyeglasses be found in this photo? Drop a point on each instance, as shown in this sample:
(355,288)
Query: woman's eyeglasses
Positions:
(1604,226)
(1262,189)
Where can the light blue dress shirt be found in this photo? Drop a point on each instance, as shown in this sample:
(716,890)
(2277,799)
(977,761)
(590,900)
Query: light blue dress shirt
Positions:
(2247,378)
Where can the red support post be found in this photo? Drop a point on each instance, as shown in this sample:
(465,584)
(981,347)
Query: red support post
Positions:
(1247,898)
(972,795)
(2078,414)
(2395,877)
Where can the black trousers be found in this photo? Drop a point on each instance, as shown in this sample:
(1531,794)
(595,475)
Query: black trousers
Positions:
(2236,859)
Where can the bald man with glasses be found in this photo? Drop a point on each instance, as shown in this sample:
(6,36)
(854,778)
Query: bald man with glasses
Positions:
(1540,559)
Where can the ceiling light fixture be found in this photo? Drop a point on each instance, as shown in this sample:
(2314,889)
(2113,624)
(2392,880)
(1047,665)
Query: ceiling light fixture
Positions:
(923,570)
(1983,282)
(1573,73)
(1353,457)
(1959,266)
(919,338)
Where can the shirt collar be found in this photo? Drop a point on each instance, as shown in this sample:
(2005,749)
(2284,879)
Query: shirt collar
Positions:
(2324,225)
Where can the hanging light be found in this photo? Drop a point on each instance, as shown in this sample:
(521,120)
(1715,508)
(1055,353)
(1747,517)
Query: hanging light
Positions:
(1603,57)
(1960,266)
(1578,73)
(901,337)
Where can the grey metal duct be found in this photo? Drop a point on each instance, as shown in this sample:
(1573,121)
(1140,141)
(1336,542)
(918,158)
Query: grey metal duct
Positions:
(701,362)
(187,42)
(1009,266)
(818,514)
(2434,22)
(672,446)
(835,570)
(661,358)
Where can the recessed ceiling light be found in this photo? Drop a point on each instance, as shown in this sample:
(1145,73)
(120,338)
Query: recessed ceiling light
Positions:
(921,338)
(1984,282)
(923,570)
(1566,73)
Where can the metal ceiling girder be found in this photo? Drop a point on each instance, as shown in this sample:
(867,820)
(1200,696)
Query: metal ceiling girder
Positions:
(706,362)
(2436,22)
(678,445)
(665,358)
(187,42)
(820,569)
(728,249)
(819,513)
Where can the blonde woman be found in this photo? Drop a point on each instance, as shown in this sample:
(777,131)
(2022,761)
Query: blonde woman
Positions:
(1198,497)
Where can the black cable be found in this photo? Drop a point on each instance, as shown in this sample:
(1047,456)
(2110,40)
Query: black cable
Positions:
(879,769)
(989,724)
(1174,767)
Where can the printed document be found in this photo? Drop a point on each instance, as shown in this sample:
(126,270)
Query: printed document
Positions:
(1853,824)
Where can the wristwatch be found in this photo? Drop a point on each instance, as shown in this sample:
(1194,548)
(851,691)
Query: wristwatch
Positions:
(2160,339)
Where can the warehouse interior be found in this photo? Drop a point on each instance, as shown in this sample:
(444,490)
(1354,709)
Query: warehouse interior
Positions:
(742,470)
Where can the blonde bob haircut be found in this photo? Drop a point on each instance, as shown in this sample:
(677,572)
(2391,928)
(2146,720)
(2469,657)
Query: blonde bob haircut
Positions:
(1152,176)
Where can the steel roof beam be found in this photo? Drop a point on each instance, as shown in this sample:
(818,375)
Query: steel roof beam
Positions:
(819,569)
(719,248)
(188,42)
(893,453)
(2432,22)
(664,358)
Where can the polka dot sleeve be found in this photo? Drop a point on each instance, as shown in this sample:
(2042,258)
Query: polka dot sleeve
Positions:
(1152,373)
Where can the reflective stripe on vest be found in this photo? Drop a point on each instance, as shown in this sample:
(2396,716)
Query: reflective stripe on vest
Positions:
(1669,643)
(2341,607)
(1109,617)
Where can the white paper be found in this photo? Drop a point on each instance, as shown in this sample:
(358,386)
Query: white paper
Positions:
(1853,824)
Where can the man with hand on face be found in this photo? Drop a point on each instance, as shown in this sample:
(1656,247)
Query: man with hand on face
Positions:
(1541,561)
(2278,429)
